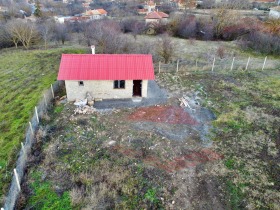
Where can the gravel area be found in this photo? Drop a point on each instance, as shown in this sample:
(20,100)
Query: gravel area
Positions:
(155,96)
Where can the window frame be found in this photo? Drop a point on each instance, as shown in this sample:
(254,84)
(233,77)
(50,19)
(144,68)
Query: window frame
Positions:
(117,84)
(81,83)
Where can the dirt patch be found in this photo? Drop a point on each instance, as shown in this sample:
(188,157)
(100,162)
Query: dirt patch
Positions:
(163,114)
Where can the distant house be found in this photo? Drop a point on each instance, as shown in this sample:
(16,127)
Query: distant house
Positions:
(150,6)
(159,17)
(106,76)
(95,14)
(86,5)
(77,19)
(142,11)
(274,12)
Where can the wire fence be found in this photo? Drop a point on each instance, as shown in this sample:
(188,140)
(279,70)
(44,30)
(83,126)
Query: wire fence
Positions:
(18,173)
(216,64)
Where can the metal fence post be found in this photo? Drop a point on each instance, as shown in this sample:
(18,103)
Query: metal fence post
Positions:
(264,63)
(247,63)
(32,132)
(177,69)
(213,64)
(23,149)
(36,112)
(52,90)
(159,67)
(17,179)
(232,63)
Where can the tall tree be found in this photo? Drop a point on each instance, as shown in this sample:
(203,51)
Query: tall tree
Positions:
(165,48)
(22,31)
(38,11)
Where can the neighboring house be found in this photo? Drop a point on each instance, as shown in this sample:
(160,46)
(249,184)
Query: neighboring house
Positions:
(142,11)
(95,14)
(77,19)
(86,5)
(274,12)
(158,17)
(106,76)
(62,19)
(150,6)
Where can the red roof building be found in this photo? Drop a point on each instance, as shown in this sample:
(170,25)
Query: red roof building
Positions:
(106,75)
(156,17)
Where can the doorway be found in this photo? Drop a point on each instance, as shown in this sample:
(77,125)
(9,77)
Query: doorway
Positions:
(137,88)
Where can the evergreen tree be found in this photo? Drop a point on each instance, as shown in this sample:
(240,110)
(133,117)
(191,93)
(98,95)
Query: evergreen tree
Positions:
(38,12)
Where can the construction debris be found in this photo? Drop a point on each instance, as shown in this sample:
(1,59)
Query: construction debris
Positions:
(90,99)
(80,103)
(184,103)
(84,110)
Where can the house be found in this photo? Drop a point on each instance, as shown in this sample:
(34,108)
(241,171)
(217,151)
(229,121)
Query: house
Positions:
(142,11)
(106,76)
(274,12)
(150,6)
(95,14)
(86,5)
(159,17)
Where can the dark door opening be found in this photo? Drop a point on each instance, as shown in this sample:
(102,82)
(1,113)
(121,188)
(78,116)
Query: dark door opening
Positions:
(137,87)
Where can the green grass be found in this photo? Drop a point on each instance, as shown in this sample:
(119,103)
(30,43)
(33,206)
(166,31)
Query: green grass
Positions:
(246,131)
(45,197)
(24,77)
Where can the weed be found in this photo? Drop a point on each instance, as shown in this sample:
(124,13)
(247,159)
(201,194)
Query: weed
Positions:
(44,197)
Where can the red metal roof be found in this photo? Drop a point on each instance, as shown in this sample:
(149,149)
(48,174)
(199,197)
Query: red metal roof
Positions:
(106,67)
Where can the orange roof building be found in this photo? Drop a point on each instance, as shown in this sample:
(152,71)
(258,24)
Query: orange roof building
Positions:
(156,17)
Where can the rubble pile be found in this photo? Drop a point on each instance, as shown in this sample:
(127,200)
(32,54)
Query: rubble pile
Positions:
(85,106)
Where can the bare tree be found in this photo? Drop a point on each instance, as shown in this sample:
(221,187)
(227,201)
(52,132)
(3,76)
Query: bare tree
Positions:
(46,30)
(61,32)
(22,31)
(165,48)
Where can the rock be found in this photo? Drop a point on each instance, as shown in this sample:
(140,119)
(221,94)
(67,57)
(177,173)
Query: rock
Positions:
(112,143)
(90,103)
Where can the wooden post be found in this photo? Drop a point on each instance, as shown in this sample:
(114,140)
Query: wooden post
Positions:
(247,63)
(196,63)
(32,132)
(213,64)
(232,63)
(36,112)
(45,100)
(22,146)
(52,91)
(264,63)
(17,180)
(177,69)
(159,67)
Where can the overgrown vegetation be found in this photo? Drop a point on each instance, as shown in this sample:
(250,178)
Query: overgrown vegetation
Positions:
(24,76)
(246,132)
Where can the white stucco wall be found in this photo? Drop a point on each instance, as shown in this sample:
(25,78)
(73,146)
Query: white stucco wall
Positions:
(101,89)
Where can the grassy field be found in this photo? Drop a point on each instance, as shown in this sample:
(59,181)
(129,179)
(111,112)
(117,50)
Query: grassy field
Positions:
(24,76)
(246,131)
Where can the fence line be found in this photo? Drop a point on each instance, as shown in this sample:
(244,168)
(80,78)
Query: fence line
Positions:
(216,64)
(40,109)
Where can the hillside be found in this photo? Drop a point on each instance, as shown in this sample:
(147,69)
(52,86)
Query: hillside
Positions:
(24,77)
